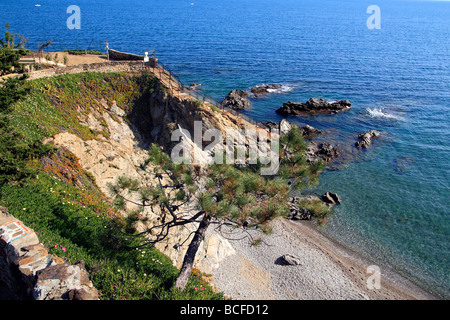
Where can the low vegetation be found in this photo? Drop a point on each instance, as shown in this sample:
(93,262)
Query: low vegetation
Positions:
(48,190)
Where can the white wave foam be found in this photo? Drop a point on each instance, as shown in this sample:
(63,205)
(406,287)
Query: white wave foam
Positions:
(380,113)
(282,89)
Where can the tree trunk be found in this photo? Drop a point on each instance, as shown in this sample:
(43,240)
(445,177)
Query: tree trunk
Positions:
(189,257)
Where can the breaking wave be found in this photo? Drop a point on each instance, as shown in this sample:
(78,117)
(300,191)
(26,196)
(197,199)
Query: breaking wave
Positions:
(380,113)
(284,88)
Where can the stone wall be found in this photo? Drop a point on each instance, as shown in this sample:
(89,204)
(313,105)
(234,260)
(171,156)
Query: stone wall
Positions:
(29,272)
(110,66)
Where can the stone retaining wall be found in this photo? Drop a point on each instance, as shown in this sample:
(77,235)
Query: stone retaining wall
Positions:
(29,272)
(110,66)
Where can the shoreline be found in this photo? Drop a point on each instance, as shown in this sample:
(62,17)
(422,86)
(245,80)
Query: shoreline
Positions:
(328,270)
(264,277)
(394,283)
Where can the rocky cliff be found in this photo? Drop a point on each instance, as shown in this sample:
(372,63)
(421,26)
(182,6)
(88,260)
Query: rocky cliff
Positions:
(121,149)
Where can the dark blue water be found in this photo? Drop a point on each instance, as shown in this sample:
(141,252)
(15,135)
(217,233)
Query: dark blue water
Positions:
(395,196)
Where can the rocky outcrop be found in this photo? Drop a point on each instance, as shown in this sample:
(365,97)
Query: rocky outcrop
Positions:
(365,138)
(285,126)
(272,125)
(296,213)
(309,131)
(124,150)
(64,282)
(324,151)
(297,209)
(29,272)
(264,89)
(313,106)
(331,198)
(289,260)
(236,99)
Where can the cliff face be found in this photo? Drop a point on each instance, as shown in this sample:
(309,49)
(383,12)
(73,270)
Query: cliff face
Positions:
(122,148)
(168,110)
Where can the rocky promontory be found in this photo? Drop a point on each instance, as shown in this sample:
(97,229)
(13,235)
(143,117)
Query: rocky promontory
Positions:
(236,99)
(262,90)
(313,106)
(365,138)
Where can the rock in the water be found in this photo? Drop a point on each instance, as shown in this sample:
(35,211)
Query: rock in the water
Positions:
(324,151)
(289,260)
(309,131)
(313,106)
(259,91)
(365,138)
(236,99)
(331,198)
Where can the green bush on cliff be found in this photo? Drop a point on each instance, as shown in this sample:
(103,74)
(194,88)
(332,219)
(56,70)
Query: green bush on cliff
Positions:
(15,148)
(79,219)
(89,229)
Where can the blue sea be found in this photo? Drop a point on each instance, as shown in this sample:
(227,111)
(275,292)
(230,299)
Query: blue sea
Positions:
(395,195)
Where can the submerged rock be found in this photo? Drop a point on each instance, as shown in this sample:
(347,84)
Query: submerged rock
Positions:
(365,138)
(236,99)
(324,151)
(309,131)
(313,106)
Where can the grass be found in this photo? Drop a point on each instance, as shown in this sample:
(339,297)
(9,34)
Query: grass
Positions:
(62,103)
(63,204)
(90,229)
(82,52)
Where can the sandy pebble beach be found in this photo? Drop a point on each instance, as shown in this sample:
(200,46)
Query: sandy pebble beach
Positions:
(327,271)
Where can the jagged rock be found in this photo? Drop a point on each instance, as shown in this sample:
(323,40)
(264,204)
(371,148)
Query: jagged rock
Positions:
(324,151)
(81,294)
(309,131)
(261,90)
(299,214)
(272,125)
(285,126)
(313,106)
(63,281)
(365,138)
(331,198)
(236,99)
(289,260)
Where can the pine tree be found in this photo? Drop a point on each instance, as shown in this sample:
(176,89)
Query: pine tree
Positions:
(224,194)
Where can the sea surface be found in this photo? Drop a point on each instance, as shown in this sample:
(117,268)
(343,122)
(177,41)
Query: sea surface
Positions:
(396,194)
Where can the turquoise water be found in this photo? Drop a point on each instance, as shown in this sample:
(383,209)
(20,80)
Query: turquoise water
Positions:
(395,195)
